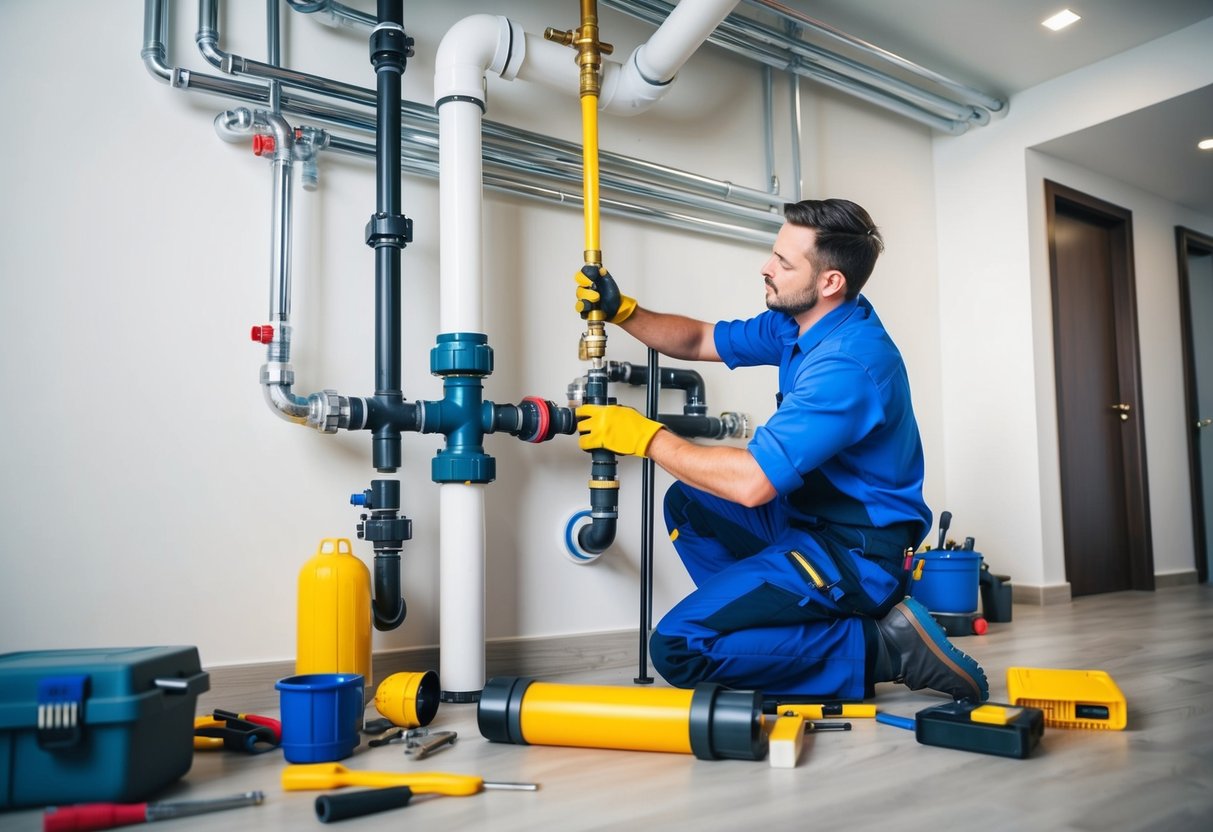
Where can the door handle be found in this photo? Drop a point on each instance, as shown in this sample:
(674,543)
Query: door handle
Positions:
(1203,423)
(1123,409)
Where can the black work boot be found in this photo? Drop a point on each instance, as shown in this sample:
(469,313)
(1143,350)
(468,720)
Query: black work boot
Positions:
(915,651)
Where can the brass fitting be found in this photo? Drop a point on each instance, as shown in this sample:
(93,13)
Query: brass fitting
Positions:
(589,48)
(593,340)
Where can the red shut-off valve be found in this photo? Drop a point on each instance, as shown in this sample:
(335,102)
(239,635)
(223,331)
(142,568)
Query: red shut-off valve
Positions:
(263,334)
(262,144)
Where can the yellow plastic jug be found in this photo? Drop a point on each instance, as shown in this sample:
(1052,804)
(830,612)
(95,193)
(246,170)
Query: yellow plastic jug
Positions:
(334,613)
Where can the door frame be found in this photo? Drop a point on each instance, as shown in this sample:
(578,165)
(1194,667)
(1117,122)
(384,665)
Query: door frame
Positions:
(1119,222)
(1186,240)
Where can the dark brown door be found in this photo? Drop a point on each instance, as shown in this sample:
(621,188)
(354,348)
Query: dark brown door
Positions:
(1105,515)
(1196,310)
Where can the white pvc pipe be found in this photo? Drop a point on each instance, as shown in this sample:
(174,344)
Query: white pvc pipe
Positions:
(460,197)
(676,40)
(469,49)
(461,587)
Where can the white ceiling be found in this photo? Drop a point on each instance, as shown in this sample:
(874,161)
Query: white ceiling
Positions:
(999,47)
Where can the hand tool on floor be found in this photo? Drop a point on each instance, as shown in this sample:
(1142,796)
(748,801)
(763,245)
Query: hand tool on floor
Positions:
(786,740)
(816,711)
(333,807)
(814,727)
(87,816)
(335,776)
(236,732)
(419,748)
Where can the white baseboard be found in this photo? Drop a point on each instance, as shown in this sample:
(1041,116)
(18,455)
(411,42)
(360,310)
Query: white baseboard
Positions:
(249,688)
(1186,577)
(1040,596)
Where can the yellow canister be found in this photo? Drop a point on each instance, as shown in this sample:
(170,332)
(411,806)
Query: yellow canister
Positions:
(333,617)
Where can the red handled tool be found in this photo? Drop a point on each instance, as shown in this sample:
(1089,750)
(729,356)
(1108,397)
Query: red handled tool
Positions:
(87,816)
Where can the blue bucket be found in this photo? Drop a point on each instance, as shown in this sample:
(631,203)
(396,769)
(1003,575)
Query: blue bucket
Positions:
(321,713)
(949,581)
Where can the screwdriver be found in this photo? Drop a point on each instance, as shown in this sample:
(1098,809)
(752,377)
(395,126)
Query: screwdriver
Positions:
(335,775)
(87,816)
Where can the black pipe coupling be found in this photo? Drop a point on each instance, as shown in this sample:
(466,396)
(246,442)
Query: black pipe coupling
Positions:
(383,527)
(390,47)
(536,420)
(389,230)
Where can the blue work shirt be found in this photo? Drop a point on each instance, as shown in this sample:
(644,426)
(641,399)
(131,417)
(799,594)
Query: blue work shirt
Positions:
(843,446)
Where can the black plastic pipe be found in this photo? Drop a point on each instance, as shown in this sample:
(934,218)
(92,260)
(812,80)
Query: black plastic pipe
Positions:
(672,378)
(388,232)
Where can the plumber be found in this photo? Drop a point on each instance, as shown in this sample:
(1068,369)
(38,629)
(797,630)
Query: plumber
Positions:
(797,542)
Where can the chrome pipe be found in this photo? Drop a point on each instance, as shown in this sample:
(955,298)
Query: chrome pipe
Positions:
(719,196)
(334,14)
(770,47)
(967,93)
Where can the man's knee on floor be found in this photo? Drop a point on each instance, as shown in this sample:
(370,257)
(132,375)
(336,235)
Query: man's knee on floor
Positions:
(677,663)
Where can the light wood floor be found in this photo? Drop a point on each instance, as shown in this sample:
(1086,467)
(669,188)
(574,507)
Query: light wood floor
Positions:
(1155,775)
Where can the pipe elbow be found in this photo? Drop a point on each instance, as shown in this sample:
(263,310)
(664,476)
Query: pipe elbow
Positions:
(626,90)
(388,604)
(157,67)
(234,125)
(284,136)
(475,45)
(276,381)
(597,536)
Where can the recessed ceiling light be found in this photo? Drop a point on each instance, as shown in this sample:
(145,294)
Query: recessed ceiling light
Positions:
(1205,144)
(1060,20)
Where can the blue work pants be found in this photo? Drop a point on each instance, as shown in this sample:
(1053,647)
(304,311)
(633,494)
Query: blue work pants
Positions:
(780,607)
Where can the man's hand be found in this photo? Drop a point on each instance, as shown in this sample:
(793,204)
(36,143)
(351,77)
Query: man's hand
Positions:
(615,428)
(596,289)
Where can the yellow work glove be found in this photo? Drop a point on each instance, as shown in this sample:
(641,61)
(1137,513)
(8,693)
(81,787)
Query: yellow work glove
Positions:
(615,428)
(596,289)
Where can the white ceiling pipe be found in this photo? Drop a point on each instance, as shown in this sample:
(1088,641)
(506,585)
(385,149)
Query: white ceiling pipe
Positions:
(677,39)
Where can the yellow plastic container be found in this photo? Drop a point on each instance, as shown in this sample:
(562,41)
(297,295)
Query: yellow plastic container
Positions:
(333,617)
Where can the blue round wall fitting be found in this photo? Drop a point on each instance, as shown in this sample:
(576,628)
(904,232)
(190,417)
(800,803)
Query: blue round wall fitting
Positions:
(575,553)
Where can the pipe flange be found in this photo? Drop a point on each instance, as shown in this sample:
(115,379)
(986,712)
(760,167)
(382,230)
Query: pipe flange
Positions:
(572,549)
(328,411)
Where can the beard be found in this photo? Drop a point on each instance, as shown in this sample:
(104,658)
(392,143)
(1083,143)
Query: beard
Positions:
(793,304)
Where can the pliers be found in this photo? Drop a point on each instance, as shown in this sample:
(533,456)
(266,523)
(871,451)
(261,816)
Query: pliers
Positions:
(250,733)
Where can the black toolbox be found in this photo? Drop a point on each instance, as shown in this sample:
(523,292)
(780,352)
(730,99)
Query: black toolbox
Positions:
(91,725)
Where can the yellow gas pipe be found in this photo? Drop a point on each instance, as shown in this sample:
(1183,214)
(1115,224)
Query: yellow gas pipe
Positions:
(604,485)
(589,59)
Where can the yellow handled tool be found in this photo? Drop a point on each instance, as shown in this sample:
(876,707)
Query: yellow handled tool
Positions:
(335,775)
(828,710)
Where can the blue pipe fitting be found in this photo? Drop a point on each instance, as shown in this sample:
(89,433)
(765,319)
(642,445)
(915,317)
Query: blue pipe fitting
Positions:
(462,359)
(464,353)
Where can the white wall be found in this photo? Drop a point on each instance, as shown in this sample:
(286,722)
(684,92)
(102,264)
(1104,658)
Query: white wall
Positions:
(1000,411)
(151,497)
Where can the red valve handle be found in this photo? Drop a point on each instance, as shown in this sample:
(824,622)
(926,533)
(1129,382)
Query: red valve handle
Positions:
(263,334)
(262,144)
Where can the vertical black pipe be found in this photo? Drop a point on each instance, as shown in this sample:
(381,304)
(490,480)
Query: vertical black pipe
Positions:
(388,231)
(652,389)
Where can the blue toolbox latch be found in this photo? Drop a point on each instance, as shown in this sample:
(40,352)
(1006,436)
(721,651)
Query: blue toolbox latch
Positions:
(61,710)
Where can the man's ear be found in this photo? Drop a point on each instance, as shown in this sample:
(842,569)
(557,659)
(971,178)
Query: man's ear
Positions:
(834,284)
